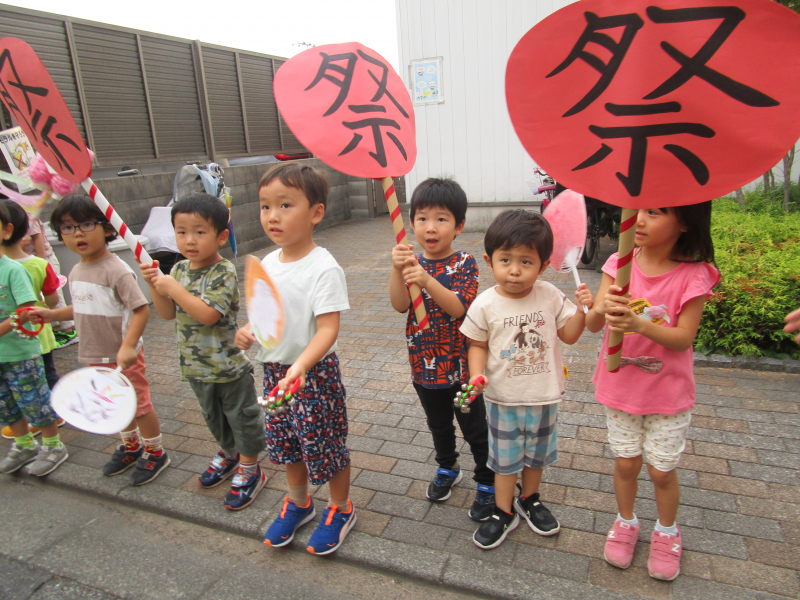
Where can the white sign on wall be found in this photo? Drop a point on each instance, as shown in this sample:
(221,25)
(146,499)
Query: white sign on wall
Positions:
(426,78)
(18,153)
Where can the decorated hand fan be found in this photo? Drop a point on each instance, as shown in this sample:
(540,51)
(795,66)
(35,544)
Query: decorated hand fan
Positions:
(264,306)
(95,399)
(567,217)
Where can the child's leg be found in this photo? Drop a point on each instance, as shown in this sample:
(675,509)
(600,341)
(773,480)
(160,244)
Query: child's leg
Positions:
(626,438)
(531,479)
(626,484)
(438,407)
(476,434)
(668,494)
(504,487)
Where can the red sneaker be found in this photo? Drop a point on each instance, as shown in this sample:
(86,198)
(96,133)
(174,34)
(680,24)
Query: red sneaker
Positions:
(665,555)
(620,544)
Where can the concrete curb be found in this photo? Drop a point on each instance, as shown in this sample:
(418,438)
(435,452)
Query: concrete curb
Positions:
(720,361)
(452,570)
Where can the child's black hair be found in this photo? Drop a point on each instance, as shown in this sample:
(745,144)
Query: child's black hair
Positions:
(80,208)
(305,178)
(694,244)
(439,192)
(19,219)
(5,218)
(206,206)
(512,228)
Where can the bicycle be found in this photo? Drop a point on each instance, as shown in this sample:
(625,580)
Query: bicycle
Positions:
(542,183)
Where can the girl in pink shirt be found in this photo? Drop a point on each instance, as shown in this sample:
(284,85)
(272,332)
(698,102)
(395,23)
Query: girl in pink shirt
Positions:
(649,400)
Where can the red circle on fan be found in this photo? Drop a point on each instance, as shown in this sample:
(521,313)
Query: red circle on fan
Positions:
(644,105)
(346,104)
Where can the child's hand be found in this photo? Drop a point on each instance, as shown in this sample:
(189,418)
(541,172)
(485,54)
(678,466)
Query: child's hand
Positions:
(611,302)
(244,338)
(164,284)
(480,382)
(623,319)
(414,273)
(793,323)
(400,254)
(583,295)
(40,315)
(126,356)
(294,372)
(149,271)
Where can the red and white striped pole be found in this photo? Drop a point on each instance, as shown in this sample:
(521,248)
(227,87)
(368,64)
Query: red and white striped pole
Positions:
(113,217)
(627,238)
(400,234)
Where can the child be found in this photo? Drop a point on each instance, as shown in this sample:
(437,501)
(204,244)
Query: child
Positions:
(649,401)
(310,438)
(24,395)
(514,330)
(45,284)
(202,295)
(111,313)
(438,355)
(36,244)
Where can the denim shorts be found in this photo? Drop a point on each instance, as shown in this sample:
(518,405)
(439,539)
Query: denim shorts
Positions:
(521,436)
(314,430)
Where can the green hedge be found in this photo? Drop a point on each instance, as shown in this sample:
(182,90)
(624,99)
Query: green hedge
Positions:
(758,254)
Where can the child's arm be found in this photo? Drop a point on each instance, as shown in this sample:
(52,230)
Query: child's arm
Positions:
(596,318)
(5,326)
(165,307)
(447,299)
(476,358)
(793,323)
(47,315)
(398,292)
(51,300)
(621,318)
(38,245)
(572,329)
(127,354)
(327,332)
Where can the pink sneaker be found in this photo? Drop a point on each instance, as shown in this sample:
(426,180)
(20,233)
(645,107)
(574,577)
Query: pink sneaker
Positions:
(620,544)
(665,556)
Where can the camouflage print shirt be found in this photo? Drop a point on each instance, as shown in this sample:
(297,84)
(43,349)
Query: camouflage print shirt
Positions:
(207,352)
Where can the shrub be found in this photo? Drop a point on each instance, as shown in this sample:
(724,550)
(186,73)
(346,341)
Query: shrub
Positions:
(758,254)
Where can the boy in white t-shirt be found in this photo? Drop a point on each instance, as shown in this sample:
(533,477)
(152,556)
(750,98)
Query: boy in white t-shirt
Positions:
(514,330)
(310,438)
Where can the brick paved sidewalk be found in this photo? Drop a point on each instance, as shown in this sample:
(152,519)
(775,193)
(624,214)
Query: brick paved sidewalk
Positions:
(740,512)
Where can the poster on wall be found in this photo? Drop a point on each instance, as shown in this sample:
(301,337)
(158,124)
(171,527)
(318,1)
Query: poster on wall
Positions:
(426,77)
(18,153)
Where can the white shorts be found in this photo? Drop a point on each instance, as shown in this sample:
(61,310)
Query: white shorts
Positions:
(661,438)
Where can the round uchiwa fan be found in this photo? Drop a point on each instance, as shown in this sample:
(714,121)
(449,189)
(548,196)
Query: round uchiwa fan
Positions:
(567,217)
(95,399)
(263,302)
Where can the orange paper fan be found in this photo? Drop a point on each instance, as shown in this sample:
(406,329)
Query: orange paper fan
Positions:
(263,302)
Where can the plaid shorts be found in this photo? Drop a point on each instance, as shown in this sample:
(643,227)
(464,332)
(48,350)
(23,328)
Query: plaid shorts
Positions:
(24,393)
(314,430)
(521,435)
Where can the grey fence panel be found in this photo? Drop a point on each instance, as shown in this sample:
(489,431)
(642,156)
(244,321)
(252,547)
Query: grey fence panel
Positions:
(290,143)
(48,38)
(222,88)
(173,98)
(115,95)
(262,113)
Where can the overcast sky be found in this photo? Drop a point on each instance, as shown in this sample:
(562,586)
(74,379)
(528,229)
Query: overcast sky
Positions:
(268,26)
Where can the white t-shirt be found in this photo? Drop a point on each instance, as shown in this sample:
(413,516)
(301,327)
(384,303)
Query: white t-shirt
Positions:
(309,287)
(524,364)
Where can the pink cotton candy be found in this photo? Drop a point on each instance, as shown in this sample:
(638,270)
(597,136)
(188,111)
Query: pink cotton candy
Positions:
(38,171)
(567,217)
(61,186)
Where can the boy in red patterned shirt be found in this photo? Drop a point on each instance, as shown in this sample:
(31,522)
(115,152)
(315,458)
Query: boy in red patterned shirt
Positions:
(438,355)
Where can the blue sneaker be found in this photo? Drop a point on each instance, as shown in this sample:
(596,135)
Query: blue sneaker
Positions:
(244,489)
(439,489)
(332,529)
(289,520)
(483,506)
(218,471)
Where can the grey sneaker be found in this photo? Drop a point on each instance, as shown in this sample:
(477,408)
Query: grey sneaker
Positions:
(47,460)
(18,457)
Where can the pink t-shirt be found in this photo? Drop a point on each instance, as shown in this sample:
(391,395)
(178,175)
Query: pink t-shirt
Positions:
(654,379)
(35,226)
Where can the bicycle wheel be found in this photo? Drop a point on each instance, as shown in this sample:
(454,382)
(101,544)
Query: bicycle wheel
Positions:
(592,237)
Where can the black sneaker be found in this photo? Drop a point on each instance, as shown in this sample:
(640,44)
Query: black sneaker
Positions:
(121,461)
(483,506)
(494,530)
(148,468)
(540,519)
(219,470)
(439,489)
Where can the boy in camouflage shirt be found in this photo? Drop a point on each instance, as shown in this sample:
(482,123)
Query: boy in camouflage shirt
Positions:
(202,294)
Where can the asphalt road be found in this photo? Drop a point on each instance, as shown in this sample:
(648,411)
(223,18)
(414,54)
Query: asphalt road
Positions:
(56,543)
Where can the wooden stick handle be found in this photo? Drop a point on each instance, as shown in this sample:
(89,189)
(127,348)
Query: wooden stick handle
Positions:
(400,234)
(627,237)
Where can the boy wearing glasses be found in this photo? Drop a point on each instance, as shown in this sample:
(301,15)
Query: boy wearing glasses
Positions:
(110,313)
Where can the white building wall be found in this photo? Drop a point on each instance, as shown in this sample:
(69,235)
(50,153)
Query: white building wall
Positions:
(469,136)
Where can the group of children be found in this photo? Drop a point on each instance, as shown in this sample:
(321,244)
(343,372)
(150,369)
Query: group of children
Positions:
(504,342)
